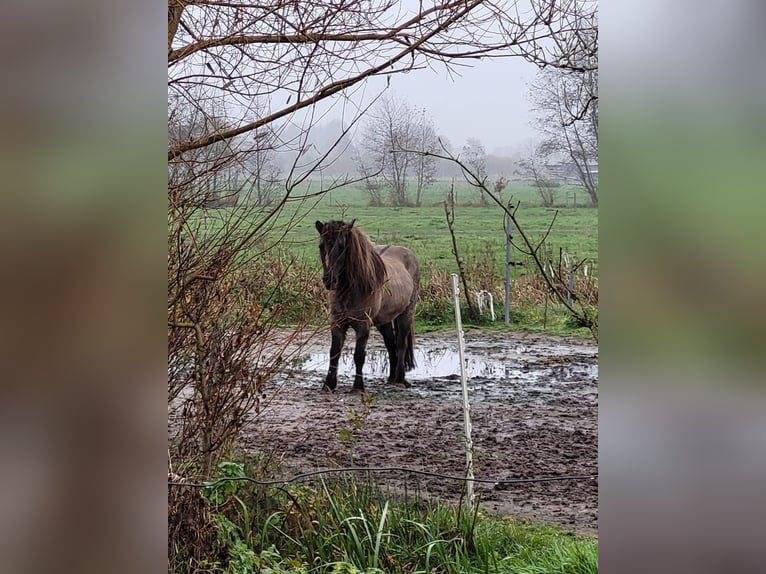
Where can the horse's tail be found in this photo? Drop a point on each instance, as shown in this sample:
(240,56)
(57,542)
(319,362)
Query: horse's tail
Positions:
(409,355)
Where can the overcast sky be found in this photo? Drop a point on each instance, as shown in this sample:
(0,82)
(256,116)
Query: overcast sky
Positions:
(487,101)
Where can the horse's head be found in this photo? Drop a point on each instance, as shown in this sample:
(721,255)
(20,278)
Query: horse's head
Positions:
(334,237)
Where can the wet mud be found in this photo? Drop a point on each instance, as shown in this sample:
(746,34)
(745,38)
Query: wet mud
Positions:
(534,404)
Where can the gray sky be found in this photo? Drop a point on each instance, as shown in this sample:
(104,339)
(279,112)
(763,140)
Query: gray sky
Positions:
(487,101)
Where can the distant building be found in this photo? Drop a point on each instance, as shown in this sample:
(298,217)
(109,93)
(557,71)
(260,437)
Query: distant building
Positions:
(556,173)
(568,172)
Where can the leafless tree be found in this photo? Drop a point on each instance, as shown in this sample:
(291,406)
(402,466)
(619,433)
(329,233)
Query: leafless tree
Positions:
(544,183)
(567,102)
(374,185)
(201,169)
(425,166)
(475,156)
(393,131)
(264,171)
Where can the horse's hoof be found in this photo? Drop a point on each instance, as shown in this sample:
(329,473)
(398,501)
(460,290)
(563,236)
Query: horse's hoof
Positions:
(356,390)
(403,383)
(327,390)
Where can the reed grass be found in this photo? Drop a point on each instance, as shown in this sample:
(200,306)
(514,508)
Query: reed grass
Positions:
(353,526)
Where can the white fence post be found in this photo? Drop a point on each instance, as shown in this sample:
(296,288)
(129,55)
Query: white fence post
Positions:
(466,404)
(570,273)
(508,263)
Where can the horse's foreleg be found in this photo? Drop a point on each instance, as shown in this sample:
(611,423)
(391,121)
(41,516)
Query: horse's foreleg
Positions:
(338,338)
(387,330)
(362,334)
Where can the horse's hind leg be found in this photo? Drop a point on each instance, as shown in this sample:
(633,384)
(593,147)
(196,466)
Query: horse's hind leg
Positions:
(338,333)
(387,330)
(402,328)
(362,335)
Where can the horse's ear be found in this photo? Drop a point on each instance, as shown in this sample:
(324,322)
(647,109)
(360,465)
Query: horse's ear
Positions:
(319,225)
(350,225)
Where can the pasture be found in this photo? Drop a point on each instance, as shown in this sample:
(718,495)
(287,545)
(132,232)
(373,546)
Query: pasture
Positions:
(292,241)
(424,229)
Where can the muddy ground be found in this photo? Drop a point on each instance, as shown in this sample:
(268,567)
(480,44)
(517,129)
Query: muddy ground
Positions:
(534,402)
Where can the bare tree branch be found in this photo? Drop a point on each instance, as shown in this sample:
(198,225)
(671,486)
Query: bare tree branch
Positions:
(312,51)
(582,315)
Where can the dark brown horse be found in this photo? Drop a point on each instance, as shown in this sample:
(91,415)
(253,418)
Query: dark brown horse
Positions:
(369,285)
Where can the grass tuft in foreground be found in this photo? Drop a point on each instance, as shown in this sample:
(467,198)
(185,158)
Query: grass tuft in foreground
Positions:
(350,526)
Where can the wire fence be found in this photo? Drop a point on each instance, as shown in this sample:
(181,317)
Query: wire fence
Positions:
(176,480)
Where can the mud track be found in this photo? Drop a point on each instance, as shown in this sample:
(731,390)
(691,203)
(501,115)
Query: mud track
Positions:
(534,402)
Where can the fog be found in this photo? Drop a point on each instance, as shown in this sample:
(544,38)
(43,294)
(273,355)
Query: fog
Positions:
(487,100)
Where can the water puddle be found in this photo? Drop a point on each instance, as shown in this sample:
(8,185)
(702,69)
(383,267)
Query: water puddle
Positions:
(536,377)
(445,362)
(431,363)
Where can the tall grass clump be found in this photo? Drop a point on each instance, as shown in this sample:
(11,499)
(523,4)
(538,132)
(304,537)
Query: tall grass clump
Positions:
(352,526)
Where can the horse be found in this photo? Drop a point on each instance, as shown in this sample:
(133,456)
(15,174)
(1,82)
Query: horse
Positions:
(368,285)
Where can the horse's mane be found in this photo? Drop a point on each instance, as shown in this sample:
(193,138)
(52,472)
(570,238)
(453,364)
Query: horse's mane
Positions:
(364,269)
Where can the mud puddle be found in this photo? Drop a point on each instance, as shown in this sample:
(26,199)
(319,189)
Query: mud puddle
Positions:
(431,363)
(494,372)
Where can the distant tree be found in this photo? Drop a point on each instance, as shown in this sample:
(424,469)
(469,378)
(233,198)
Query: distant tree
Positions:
(446,169)
(203,170)
(262,168)
(390,152)
(544,184)
(567,102)
(475,157)
(425,166)
(373,184)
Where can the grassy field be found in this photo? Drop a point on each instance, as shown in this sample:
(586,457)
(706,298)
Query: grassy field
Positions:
(354,195)
(480,239)
(424,229)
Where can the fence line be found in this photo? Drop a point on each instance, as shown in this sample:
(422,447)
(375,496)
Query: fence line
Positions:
(303,476)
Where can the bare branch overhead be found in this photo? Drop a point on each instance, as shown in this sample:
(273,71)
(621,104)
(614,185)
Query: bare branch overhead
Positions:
(296,54)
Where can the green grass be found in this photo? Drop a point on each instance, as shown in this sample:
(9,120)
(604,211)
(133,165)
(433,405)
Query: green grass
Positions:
(425,230)
(354,195)
(479,234)
(352,526)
